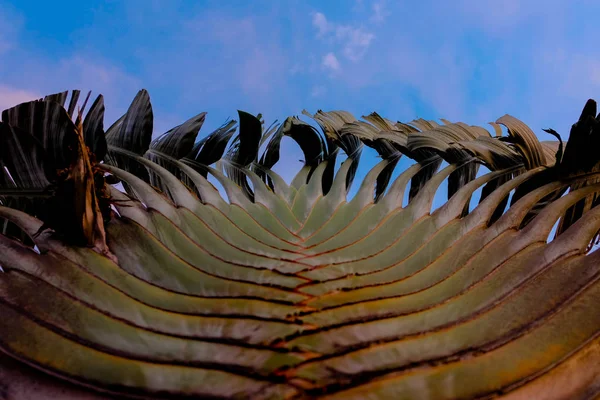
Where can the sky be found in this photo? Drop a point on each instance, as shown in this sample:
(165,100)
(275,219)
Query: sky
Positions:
(463,60)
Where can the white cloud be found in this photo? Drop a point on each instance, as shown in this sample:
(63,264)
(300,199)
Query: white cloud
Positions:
(331,62)
(320,22)
(380,12)
(11,96)
(353,41)
(318,91)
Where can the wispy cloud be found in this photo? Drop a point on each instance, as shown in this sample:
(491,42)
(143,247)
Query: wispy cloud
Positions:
(320,22)
(296,69)
(478,59)
(11,96)
(37,76)
(228,59)
(331,62)
(380,12)
(497,18)
(10,25)
(318,91)
(260,64)
(356,41)
(352,41)
(87,72)
(359,6)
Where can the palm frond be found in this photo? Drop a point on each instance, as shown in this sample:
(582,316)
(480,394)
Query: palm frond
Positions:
(293,291)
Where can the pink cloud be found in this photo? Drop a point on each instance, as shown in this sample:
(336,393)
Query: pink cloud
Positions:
(11,96)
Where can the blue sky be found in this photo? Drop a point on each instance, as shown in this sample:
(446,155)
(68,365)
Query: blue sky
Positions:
(463,60)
